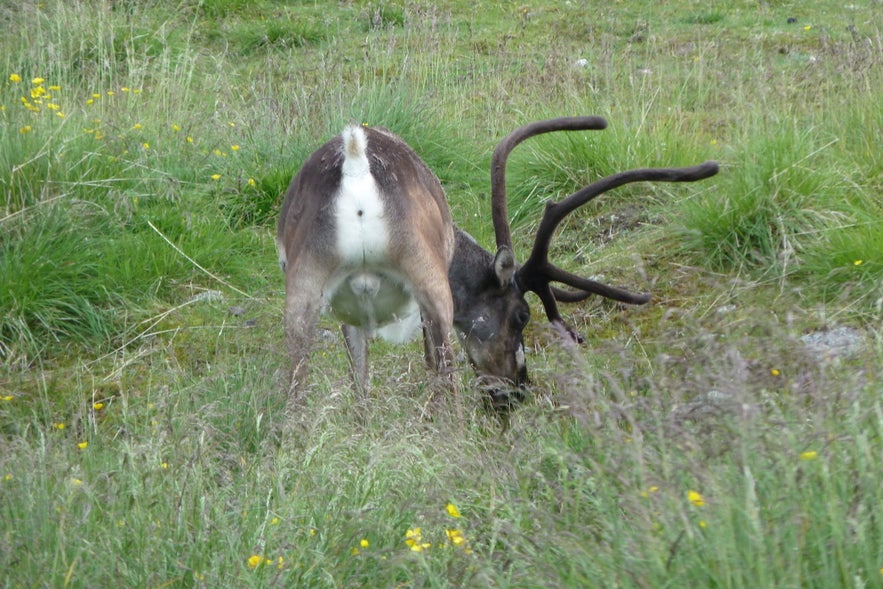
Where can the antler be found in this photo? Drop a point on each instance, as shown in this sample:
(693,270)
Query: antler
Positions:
(499,204)
(537,273)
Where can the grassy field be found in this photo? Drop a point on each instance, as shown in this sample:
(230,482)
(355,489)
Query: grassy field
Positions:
(728,434)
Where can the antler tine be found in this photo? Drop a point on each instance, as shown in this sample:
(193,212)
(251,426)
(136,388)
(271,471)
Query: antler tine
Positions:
(537,272)
(499,205)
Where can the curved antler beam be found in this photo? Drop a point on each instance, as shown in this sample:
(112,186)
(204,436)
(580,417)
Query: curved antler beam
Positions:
(499,205)
(537,272)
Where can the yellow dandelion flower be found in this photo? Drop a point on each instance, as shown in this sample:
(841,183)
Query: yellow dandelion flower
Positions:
(10,397)
(775,371)
(809,455)
(251,182)
(136,91)
(14,78)
(189,139)
(96,96)
(145,145)
(858,262)
(60,425)
(98,406)
(110,93)
(37,81)
(60,115)
(364,543)
(90,102)
(175,128)
(456,537)
(807,27)
(55,87)
(216,177)
(76,482)
(83,445)
(219,153)
(234,147)
(696,498)
(452,510)
(164,465)
(232,124)
(702,524)
(7,476)
(280,562)
(137,126)
(274,521)
(254,561)
(414,540)
(52,106)
(124,89)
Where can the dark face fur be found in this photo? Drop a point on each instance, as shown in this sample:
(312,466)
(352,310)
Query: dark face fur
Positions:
(490,314)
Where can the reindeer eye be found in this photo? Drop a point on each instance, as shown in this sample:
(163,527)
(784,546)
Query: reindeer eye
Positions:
(520,319)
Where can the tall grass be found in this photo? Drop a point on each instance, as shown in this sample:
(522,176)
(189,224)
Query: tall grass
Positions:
(698,441)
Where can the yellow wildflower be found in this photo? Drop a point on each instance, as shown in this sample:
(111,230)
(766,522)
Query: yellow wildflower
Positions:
(364,543)
(15,78)
(137,126)
(175,128)
(650,490)
(216,177)
(98,406)
(37,81)
(83,445)
(809,455)
(456,537)
(58,425)
(274,521)
(251,182)
(452,510)
(858,262)
(234,147)
(254,561)
(696,498)
(414,540)
(10,397)
(775,371)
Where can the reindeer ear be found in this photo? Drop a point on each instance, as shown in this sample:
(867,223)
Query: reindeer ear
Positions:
(504,265)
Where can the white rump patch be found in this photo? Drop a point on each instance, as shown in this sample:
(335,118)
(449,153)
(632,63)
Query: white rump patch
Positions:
(366,292)
(362,234)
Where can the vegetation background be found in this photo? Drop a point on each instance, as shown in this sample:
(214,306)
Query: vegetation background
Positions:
(726,435)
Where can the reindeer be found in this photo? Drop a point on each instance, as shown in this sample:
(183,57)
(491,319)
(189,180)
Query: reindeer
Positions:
(365,233)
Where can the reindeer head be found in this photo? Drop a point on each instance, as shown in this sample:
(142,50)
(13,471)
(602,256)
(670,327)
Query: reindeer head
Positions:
(490,310)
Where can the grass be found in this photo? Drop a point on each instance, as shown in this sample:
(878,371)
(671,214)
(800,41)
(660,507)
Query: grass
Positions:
(697,441)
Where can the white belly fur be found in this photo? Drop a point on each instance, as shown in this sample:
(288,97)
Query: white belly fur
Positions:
(366,291)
